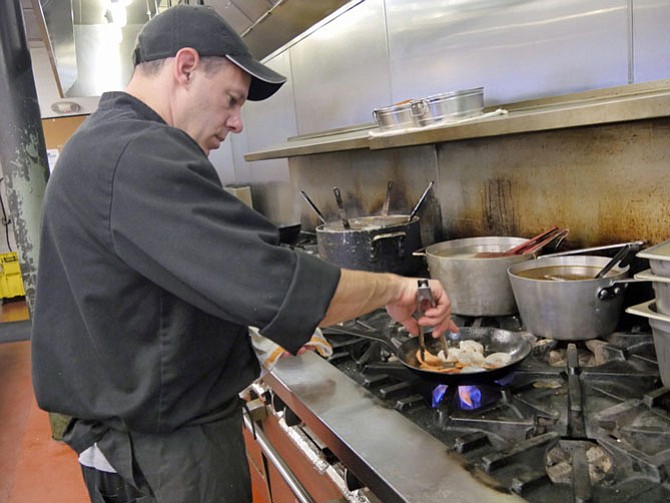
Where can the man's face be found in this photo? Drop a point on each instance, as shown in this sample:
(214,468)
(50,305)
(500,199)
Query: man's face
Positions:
(213,103)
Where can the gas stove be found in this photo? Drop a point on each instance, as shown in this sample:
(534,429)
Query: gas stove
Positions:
(585,421)
(578,421)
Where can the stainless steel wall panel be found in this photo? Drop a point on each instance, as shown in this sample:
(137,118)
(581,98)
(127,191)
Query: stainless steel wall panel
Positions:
(517,50)
(651,42)
(362,176)
(383,51)
(340,72)
(273,120)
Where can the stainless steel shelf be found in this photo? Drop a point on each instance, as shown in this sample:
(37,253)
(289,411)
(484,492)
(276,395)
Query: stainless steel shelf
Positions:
(330,141)
(591,108)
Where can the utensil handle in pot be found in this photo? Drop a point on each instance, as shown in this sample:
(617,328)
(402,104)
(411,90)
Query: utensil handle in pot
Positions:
(621,256)
(313,206)
(340,207)
(636,245)
(375,243)
(421,200)
(387,198)
(558,234)
(532,241)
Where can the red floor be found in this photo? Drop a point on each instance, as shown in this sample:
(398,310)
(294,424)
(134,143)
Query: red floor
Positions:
(34,468)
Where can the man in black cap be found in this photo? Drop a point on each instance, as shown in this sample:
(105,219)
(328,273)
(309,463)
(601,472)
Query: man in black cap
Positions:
(150,275)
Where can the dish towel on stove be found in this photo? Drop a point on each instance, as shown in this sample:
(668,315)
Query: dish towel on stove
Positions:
(269,352)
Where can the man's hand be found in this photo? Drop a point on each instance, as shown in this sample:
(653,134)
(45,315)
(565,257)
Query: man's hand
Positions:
(438,317)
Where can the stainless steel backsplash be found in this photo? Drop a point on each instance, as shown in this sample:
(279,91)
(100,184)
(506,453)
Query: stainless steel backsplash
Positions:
(606,183)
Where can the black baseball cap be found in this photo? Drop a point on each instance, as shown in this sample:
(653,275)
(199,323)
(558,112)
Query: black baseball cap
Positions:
(203,29)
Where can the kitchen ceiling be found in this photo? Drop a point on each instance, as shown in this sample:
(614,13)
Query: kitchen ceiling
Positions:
(82,32)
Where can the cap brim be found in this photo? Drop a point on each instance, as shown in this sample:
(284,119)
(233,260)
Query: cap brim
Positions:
(264,81)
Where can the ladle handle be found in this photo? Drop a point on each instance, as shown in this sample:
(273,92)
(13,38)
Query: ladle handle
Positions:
(619,257)
(313,206)
(340,206)
(420,202)
(635,245)
(387,199)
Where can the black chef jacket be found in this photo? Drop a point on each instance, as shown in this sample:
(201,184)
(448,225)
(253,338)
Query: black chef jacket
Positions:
(149,274)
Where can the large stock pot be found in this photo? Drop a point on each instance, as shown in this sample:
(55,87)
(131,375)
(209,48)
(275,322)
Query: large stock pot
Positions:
(476,286)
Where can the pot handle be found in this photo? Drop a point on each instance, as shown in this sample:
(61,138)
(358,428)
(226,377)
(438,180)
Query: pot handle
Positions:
(419,107)
(611,291)
(374,243)
(617,286)
(420,252)
(634,245)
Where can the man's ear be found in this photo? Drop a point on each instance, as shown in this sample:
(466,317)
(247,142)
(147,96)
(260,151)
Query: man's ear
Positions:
(186,60)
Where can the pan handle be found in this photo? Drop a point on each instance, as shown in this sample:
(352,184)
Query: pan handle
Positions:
(372,335)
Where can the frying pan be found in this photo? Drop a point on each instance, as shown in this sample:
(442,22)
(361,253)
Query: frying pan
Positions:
(494,340)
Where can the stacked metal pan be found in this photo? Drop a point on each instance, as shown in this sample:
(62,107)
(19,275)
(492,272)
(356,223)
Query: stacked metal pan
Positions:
(436,109)
(657,310)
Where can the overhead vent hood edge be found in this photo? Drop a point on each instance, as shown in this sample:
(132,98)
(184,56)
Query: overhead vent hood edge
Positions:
(91,50)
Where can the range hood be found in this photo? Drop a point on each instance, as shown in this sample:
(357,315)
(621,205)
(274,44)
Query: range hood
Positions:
(90,42)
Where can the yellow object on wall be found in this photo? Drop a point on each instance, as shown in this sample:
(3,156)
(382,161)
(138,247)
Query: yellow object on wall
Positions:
(11,282)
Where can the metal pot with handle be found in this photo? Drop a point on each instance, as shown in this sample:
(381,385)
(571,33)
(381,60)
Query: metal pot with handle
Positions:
(559,296)
(373,243)
(381,243)
(474,271)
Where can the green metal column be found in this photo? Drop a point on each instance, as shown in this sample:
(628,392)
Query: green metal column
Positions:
(23,157)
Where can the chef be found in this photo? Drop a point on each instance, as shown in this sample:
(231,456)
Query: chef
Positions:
(150,275)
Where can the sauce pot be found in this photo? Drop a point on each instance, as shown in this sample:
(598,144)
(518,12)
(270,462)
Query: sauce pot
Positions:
(559,297)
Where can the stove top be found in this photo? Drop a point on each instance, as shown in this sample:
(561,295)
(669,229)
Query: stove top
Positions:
(584,421)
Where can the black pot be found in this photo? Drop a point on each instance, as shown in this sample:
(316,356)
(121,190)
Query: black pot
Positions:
(374,243)
(289,233)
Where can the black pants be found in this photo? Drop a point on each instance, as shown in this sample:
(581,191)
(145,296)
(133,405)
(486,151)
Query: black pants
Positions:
(202,463)
(105,487)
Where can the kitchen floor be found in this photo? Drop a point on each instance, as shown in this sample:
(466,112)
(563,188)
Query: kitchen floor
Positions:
(33,467)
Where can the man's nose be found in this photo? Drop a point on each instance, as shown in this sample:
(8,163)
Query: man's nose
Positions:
(234,122)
